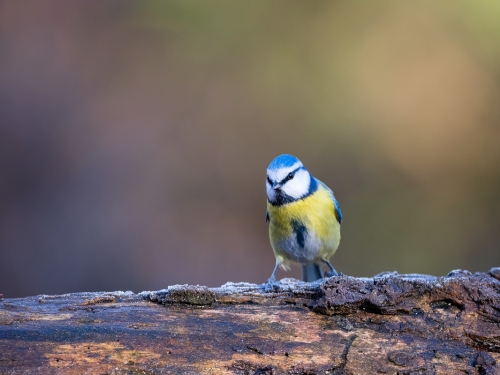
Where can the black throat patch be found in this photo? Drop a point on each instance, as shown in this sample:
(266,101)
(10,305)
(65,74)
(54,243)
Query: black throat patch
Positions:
(300,231)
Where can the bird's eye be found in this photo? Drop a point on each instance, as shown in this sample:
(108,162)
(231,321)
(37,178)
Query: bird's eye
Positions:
(290,176)
(269,180)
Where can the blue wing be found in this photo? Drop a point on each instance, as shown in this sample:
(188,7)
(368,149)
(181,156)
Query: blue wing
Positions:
(267,217)
(338,211)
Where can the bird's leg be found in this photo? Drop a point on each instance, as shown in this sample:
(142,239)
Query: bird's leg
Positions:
(332,270)
(272,279)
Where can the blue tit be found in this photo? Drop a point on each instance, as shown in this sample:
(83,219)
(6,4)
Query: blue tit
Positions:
(304,218)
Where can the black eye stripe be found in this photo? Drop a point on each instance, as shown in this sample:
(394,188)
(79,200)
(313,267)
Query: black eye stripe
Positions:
(292,173)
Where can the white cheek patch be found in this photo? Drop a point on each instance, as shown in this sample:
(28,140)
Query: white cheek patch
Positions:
(298,186)
(279,174)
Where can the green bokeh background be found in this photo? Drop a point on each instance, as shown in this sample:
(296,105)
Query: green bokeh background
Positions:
(134,136)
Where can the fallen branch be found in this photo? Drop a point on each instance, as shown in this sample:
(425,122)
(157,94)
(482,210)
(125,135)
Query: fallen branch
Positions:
(389,324)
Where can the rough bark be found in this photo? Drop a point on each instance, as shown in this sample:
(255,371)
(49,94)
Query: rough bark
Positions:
(389,324)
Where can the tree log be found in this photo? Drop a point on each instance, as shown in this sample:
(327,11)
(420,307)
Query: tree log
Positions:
(389,324)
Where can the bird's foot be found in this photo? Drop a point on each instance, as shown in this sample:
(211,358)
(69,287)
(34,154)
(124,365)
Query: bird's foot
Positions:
(333,273)
(271,284)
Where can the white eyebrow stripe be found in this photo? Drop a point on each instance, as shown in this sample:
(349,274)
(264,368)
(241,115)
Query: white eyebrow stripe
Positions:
(281,173)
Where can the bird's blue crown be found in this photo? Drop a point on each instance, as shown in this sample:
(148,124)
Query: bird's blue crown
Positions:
(283,161)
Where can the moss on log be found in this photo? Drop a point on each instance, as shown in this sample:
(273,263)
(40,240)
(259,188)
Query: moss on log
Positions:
(389,324)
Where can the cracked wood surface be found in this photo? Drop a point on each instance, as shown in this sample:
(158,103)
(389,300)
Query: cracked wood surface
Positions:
(389,324)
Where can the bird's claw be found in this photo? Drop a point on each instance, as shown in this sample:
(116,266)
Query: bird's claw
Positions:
(271,285)
(331,274)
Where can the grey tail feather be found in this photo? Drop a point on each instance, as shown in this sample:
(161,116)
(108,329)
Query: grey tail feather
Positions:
(311,272)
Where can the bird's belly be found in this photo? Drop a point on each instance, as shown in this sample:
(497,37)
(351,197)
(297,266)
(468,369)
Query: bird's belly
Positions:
(306,251)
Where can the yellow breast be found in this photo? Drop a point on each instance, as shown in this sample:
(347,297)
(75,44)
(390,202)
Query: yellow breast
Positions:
(317,214)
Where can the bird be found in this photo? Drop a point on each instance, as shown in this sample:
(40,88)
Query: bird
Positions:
(304,219)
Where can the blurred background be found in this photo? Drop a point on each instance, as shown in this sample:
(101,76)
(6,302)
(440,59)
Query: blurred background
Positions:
(135,137)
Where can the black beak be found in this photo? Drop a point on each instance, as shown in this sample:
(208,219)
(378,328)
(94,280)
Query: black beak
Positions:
(276,186)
